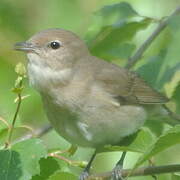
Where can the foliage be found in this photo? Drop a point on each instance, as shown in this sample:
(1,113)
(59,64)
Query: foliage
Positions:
(166,140)
(112,35)
(20,162)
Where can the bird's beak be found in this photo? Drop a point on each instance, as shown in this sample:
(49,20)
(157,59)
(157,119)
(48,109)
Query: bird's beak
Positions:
(24,46)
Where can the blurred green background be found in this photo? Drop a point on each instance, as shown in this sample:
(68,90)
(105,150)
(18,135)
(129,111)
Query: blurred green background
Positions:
(20,19)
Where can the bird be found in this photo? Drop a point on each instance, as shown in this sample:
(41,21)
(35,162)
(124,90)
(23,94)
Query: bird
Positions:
(90,102)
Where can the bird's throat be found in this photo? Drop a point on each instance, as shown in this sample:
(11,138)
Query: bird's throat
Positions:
(43,77)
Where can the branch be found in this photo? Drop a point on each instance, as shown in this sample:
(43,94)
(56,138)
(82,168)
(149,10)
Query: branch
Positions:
(19,98)
(36,133)
(81,164)
(14,119)
(43,130)
(138,54)
(144,171)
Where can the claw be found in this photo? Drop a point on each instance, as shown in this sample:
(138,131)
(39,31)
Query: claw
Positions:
(116,173)
(84,175)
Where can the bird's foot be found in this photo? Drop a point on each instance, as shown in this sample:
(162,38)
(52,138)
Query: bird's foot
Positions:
(84,175)
(116,173)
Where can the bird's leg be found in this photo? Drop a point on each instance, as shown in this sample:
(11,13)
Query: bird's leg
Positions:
(85,172)
(116,172)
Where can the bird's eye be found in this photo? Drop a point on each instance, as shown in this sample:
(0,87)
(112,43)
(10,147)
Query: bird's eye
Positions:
(55,45)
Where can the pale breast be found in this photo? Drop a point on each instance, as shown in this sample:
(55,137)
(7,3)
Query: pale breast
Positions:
(43,77)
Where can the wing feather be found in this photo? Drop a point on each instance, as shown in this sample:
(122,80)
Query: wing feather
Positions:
(128,87)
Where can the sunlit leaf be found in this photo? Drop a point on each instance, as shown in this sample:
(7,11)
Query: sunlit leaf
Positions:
(175,176)
(171,86)
(140,143)
(20,69)
(168,139)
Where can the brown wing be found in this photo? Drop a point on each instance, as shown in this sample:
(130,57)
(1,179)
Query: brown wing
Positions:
(143,92)
(128,87)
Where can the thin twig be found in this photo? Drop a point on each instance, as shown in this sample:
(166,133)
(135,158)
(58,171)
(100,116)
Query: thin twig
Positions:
(42,131)
(60,157)
(138,54)
(144,171)
(36,133)
(14,120)
(81,164)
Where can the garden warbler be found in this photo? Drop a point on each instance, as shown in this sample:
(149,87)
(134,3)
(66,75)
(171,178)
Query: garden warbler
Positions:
(90,102)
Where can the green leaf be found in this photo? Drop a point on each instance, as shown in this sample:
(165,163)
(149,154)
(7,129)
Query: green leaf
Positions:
(20,69)
(142,141)
(108,15)
(123,51)
(174,23)
(17,90)
(168,139)
(166,63)
(18,81)
(155,125)
(171,86)
(153,64)
(3,136)
(110,37)
(9,165)
(48,166)
(175,177)
(119,10)
(63,175)
(171,62)
(22,160)
(113,27)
